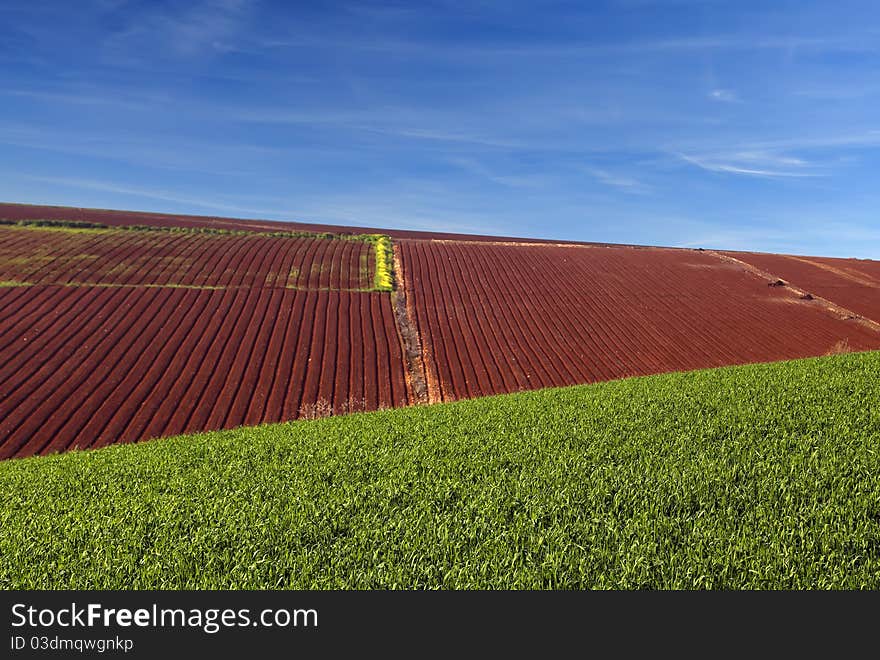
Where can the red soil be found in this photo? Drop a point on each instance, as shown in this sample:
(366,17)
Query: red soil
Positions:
(850,283)
(57,256)
(497,318)
(171,332)
(90,366)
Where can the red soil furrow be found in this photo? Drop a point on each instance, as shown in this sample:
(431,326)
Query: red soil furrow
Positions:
(239,274)
(367,278)
(284,385)
(272,266)
(581,314)
(217,266)
(502,377)
(648,334)
(384,387)
(611,355)
(232,368)
(13,299)
(658,334)
(199,396)
(477,376)
(302,357)
(528,366)
(312,381)
(178,259)
(327,366)
(207,263)
(14,241)
(357,360)
(652,324)
(374,351)
(304,276)
(20,370)
(22,427)
(438,364)
(175,258)
(206,406)
(292,257)
(452,357)
(104,249)
(329,255)
(131,405)
(553,330)
(60,262)
(863,268)
(125,375)
(339,383)
(245,389)
(371,369)
(264,271)
(170,414)
(174,253)
(263,383)
(246,271)
(29,310)
(547,330)
(124,251)
(330,276)
(78,270)
(622,356)
(195,266)
(25,337)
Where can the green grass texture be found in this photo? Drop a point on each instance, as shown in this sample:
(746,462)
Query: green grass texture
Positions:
(755,477)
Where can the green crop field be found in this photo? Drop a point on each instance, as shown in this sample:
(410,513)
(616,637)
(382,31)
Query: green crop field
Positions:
(763,476)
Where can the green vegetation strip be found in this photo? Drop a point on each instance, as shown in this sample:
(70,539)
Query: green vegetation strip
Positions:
(750,477)
(384,271)
(77,226)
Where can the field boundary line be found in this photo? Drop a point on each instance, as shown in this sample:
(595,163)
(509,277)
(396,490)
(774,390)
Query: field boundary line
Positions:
(863,280)
(416,375)
(829,306)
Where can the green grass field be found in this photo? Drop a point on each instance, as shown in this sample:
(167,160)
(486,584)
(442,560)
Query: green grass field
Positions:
(764,476)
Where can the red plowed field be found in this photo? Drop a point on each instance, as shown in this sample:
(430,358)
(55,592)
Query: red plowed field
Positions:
(17,212)
(41,255)
(498,318)
(851,283)
(90,366)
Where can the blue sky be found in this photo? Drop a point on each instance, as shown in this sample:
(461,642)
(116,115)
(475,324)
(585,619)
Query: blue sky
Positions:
(743,125)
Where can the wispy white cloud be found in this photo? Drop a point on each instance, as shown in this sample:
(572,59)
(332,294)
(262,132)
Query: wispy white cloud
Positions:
(623,183)
(753,164)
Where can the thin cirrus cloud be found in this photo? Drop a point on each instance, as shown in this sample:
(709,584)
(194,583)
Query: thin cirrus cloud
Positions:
(624,183)
(751,164)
